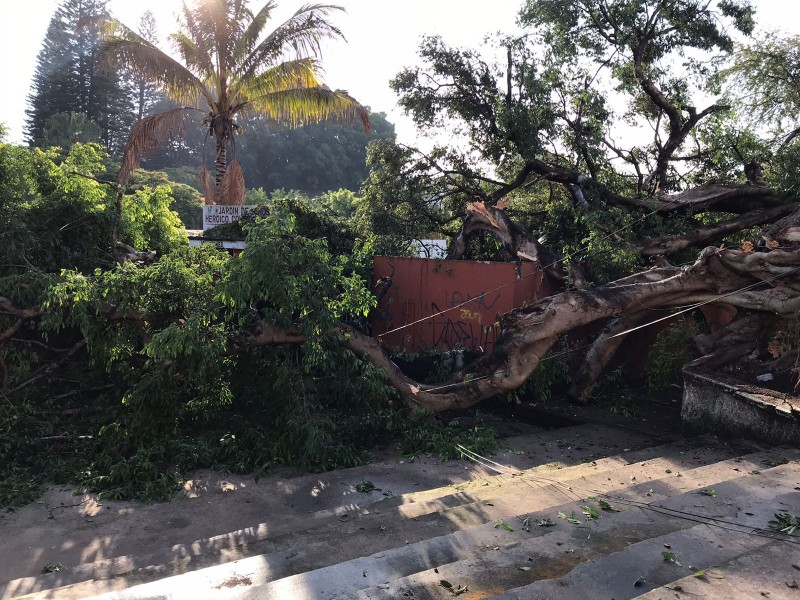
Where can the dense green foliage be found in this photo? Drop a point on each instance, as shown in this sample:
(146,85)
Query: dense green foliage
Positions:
(671,351)
(186,200)
(135,374)
(162,387)
(538,116)
(441,437)
(57,214)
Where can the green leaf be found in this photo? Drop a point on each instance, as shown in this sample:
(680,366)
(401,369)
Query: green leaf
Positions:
(785,523)
(366,486)
(524,568)
(590,512)
(504,525)
(608,506)
(669,556)
(445,584)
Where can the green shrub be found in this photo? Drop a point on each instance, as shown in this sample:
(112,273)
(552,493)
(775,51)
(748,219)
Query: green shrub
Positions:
(440,437)
(552,376)
(673,348)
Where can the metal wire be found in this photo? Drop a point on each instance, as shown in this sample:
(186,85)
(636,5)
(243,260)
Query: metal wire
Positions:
(505,285)
(676,513)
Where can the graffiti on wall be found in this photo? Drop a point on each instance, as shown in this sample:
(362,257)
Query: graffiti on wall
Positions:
(462,327)
(452,305)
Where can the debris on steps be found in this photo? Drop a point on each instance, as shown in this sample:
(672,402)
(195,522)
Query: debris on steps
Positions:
(483,534)
(214,525)
(771,571)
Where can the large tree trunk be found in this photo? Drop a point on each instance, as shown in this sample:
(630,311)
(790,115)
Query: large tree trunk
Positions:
(764,282)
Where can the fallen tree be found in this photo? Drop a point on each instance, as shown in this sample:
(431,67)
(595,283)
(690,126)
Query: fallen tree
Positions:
(541,173)
(766,282)
(262,350)
(120,369)
(763,280)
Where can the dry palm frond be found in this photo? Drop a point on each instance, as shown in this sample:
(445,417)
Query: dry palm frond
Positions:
(231,188)
(149,134)
(208,186)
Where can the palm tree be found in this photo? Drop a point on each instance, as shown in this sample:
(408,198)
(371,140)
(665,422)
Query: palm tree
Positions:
(230,67)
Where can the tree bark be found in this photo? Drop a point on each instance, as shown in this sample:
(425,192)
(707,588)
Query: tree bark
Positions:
(220,164)
(527,333)
(705,235)
(601,353)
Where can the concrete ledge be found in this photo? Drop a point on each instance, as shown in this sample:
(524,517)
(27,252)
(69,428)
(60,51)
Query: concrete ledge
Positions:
(717,403)
(196,238)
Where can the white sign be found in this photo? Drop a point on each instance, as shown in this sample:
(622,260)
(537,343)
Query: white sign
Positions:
(220,214)
(430,248)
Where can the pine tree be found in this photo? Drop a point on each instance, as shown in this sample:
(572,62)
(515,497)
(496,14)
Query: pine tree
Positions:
(68,79)
(147,94)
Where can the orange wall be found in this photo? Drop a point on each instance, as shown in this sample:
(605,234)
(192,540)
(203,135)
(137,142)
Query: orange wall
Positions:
(422,288)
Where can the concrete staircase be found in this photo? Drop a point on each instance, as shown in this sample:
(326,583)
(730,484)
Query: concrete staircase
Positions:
(512,526)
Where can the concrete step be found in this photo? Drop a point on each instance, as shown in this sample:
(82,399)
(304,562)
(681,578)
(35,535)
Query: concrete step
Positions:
(582,557)
(722,537)
(85,530)
(114,538)
(444,535)
(772,571)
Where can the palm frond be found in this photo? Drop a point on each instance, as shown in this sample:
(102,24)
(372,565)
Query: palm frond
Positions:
(301,73)
(208,186)
(197,32)
(312,105)
(194,58)
(231,188)
(249,38)
(123,47)
(220,23)
(149,134)
(302,33)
